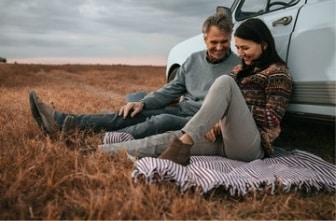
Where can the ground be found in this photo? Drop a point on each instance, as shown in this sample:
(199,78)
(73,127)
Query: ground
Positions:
(40,178)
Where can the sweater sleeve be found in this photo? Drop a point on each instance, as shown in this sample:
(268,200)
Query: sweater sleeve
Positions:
(168,93)
(277,93)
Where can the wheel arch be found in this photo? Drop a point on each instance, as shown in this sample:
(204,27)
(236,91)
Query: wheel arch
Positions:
(172,72)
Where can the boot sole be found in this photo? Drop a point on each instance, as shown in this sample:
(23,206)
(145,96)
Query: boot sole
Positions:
(40,119)
(35,111)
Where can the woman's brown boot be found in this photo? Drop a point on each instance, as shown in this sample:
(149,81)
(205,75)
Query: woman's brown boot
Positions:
(177,152)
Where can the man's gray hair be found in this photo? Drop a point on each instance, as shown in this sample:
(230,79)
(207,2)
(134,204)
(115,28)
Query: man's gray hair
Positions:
(221,20)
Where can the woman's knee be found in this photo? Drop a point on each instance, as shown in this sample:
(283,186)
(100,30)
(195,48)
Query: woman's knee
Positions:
(224,80)
(222,84)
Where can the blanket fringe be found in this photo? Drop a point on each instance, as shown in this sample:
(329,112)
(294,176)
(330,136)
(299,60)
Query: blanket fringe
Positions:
(288,170)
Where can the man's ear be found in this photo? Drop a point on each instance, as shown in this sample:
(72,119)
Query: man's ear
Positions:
(205,37)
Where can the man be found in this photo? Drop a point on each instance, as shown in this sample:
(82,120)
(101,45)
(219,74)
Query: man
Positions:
(153,114)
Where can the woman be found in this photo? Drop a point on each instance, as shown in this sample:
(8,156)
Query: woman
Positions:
(245,107)
(250,105)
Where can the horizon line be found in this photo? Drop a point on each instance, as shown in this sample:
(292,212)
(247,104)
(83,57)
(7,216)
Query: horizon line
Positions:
(153,61)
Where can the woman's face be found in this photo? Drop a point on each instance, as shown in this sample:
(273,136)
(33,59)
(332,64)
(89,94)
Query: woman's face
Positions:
(248,50)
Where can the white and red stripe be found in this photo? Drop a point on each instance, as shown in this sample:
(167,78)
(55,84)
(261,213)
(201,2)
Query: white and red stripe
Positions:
(296,169)
(116,137)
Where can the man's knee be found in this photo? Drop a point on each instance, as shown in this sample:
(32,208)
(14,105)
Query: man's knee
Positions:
(168,121)
(162,118)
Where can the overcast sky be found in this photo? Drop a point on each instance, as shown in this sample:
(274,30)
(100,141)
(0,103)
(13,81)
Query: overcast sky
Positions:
(98,31)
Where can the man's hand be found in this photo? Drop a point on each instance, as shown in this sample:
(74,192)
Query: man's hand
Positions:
(132,108)
(214,132)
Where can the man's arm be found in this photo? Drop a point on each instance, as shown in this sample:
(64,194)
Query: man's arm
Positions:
(168,93)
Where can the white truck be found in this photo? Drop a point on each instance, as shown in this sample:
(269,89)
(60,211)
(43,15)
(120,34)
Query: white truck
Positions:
(304,32)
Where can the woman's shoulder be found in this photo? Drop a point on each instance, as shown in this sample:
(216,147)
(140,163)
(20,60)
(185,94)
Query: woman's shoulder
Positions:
(276,68)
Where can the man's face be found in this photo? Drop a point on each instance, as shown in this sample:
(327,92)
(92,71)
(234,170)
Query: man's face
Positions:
(218,43)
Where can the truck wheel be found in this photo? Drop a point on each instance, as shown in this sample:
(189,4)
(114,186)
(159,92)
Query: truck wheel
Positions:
(172,74)
(170,78)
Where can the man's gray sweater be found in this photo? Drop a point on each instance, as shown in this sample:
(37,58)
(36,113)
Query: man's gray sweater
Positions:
(193,81)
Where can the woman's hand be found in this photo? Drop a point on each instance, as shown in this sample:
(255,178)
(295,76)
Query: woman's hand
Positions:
(269,135)
(214,132)
(272,133)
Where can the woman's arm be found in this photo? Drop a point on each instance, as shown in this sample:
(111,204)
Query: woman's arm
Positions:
(278,88)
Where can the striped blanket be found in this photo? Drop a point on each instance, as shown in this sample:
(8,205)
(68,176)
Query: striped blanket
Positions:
(286,169)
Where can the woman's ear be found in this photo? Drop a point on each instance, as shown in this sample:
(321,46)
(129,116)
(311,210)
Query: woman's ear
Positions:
(264,45)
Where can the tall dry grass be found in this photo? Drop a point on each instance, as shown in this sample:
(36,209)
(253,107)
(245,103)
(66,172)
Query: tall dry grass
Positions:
(42,179)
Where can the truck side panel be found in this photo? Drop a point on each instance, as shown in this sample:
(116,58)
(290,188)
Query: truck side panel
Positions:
(311,59)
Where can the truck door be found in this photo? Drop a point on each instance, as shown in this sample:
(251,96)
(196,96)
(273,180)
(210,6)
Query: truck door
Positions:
(279,15)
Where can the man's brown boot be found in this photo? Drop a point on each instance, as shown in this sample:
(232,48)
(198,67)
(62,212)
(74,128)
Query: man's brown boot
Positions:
(177,152)
(43,114)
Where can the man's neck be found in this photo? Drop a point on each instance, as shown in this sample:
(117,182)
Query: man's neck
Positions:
(216,61)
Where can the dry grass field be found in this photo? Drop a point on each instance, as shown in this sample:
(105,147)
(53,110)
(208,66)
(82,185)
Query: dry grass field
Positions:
(42,179)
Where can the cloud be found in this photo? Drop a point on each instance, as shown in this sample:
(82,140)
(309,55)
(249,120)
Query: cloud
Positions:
(98,28)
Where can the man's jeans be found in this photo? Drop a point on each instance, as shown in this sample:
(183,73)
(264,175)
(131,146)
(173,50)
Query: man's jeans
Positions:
(146,123)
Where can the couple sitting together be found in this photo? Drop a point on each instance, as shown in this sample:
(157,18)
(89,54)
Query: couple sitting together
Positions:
(232,106)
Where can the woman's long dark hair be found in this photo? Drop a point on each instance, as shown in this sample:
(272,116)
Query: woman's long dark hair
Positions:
(256,30)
